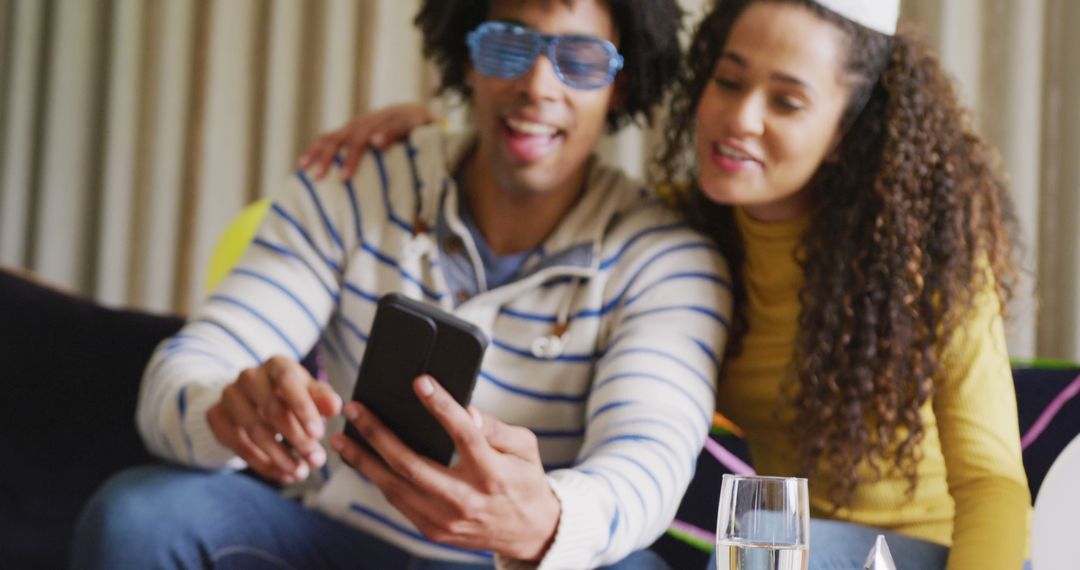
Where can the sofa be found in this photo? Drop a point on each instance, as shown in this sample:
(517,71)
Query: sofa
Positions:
(71,370)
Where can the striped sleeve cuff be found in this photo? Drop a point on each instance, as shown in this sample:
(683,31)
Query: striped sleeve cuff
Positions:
(204,449)
(583,529)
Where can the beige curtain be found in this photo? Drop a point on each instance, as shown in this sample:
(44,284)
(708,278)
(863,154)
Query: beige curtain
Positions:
(132,131)
(1015,62)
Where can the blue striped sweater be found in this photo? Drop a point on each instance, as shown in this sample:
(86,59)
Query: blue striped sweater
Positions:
(621,413)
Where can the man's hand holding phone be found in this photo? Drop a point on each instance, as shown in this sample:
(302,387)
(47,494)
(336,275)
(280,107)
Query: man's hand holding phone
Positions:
(495,498)
(271,405)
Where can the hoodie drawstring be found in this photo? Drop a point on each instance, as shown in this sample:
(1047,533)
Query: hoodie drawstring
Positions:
(550,347)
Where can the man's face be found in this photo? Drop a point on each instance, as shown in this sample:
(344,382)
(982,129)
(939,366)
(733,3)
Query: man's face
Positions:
(535,132)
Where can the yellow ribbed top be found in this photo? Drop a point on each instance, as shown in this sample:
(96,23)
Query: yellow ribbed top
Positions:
(972,492)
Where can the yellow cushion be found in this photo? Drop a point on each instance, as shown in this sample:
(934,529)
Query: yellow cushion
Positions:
(234,240)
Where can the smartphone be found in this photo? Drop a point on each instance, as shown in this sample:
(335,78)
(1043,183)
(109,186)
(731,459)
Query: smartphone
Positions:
(409,338)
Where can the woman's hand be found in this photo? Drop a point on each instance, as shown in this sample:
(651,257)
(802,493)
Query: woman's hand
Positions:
(377,129)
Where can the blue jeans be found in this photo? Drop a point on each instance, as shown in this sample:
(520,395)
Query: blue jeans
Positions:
(170,517)
(836,545)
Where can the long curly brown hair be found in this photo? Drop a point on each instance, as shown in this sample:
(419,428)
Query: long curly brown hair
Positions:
(909,223)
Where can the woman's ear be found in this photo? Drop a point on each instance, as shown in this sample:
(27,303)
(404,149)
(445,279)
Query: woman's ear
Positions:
(833,156)
(470,72)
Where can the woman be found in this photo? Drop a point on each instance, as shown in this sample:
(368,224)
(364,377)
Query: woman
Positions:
(840,175)
(870,229)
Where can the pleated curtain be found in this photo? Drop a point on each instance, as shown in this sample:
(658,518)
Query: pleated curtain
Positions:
(132,131)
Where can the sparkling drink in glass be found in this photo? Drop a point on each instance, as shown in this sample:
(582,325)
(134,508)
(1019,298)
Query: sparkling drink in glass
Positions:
(763,523)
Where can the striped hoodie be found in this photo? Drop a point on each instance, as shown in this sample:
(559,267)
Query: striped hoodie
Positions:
(620,403)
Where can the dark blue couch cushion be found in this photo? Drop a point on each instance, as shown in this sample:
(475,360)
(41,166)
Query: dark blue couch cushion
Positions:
(71,373)
(1049,409)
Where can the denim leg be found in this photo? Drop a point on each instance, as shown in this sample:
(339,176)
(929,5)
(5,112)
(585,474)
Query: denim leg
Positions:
(169,517)
(640,560)
(836,545)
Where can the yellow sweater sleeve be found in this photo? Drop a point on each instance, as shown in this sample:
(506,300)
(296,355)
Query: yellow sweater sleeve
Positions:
(976,412)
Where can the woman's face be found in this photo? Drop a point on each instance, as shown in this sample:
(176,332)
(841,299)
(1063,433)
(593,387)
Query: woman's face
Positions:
(771,113)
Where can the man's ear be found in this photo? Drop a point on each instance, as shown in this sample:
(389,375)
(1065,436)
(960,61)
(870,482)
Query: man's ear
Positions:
(618,93)
(470,72)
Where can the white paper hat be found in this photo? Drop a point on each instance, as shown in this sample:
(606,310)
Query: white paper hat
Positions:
(878,15)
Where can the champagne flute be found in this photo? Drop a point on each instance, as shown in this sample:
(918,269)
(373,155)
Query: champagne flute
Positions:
(763,523)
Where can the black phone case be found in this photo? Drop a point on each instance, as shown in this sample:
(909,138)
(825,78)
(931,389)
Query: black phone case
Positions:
(409,338)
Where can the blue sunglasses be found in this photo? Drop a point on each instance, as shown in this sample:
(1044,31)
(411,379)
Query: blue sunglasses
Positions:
(506,51)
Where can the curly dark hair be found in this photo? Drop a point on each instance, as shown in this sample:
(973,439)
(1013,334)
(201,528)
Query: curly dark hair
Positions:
(908,225)
(648,41)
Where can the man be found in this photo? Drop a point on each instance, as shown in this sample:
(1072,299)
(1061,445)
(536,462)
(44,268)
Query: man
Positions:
(606,318)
